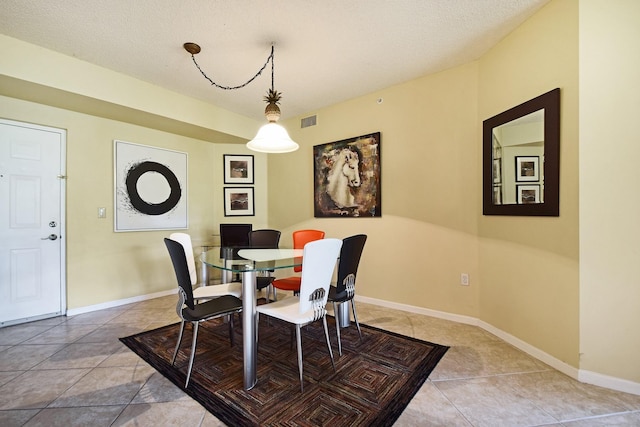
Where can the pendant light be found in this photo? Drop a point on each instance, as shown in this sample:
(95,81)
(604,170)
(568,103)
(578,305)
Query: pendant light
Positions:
(271,137)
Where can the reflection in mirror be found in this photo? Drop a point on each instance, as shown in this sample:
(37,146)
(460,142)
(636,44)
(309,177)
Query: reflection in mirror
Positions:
(519,146)
(520,159)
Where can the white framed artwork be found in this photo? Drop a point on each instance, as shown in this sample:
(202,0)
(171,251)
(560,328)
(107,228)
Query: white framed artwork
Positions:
(150,188)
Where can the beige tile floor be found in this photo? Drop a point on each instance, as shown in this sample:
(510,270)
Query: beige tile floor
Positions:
(74,372)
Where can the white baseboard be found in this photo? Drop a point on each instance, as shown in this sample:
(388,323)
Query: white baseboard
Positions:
(531,350)
(609,382)
(117,303)
(419,310)
(581,375)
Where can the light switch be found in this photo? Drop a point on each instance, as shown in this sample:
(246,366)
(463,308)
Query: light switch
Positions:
(102,212)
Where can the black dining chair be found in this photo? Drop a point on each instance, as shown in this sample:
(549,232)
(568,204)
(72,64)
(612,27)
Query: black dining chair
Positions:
(236,237)
(189,311)
(344,290)
(264,239)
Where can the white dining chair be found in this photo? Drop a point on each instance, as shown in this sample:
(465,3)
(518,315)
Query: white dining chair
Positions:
(318,264)
(204,290)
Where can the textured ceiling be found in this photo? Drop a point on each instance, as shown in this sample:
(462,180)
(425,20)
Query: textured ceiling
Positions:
(325,51)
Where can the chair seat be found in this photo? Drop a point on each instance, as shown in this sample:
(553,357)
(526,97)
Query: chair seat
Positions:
(214,291)
(263,281)
(287,309)
(213,308)
(288,283)
(334,296)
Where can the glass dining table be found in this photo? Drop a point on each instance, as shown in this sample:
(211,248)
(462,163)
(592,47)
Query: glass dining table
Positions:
(248,262)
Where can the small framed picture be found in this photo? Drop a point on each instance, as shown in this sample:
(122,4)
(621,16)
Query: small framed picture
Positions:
(527,168)
(238,169)
(497,194)
(528,194)
(497,171)
(238,201)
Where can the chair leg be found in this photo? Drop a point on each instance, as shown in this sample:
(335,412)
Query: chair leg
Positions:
(193,351)
(355,317)
(335,314)
(231,328)
(299,340)
(326,334)
(175,352)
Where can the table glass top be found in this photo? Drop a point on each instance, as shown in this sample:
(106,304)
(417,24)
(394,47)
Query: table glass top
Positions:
(239,259)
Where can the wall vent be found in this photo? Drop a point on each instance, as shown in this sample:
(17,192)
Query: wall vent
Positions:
(308,121)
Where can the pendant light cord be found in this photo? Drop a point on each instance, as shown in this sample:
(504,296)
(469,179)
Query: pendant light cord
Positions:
(219,86)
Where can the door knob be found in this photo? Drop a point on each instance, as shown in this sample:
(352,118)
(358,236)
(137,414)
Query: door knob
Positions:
(50,237)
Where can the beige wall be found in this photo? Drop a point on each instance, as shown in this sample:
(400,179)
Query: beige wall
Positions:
(104,266)
(432,213)
(529,265)
(609,202)
(426,236)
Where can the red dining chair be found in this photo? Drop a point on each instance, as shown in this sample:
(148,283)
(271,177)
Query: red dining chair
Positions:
(300,238)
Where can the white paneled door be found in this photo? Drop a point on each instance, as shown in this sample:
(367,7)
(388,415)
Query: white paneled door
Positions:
(32,274)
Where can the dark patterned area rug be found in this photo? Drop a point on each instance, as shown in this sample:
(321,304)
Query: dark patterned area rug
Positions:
(374,380)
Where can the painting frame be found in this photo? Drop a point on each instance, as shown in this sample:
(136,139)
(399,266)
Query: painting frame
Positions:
(234,205)
(527,168)
(357,195)
(238,169)
(527,194)
(150,188)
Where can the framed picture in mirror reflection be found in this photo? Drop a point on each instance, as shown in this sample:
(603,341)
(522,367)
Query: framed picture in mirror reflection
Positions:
(497,171)
(497,194)
(527,168)
(528,194)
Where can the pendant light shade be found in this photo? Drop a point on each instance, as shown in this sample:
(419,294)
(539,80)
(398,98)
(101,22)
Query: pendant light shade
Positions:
(272,138)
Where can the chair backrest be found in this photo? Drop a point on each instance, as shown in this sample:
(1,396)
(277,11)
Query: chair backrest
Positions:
(318,263)
(235,234)
(302,237)
(179,260)
(185,240)
(264,239)
(350,254)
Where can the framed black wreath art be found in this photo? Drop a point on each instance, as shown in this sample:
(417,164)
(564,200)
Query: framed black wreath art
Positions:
(150,189)
(347,179)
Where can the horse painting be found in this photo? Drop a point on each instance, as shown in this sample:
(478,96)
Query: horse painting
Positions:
(347,177)
(343,175)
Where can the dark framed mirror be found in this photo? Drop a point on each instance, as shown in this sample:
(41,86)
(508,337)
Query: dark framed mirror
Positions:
(521,159)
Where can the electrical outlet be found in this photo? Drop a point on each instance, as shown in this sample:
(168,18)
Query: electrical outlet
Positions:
(102,212)
(464,279)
